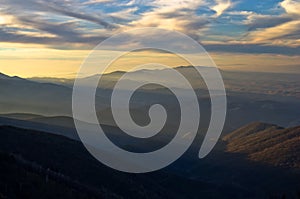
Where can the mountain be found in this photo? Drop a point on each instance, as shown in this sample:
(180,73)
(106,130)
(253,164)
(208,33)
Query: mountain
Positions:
(21,95)
(250,97)
(249,130)
(267,143)
(64,126)
(65,131)
(236,81)
(225,172)
(63,121)
(69,162)
(20,116)
(59,81)
(20,178)
(5,77)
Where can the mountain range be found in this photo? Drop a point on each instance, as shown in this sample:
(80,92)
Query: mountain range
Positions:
(59,160)
(267,143)
(265,102)
(21,95)
(230,171)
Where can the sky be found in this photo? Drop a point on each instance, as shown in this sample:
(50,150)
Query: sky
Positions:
(52,38)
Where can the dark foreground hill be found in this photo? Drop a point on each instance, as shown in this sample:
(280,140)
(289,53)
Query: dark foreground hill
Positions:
(23,179)
(33,156)
(267,143)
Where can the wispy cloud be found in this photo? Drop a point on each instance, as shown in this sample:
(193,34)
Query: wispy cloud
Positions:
(84,23)
(221,6)
(282,29)
(283,34)
(175,15)
(258,21)
(89,2)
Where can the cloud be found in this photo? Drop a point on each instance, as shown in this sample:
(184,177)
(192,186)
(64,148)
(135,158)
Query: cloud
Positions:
(291,6)
(125,14)
(84,23)
(252,48)
(96,2)
(52,34)
(12,37)
(88,17)
(5,19)
(173,15)
(257,21)
(51,7)
(284,34)
(221,6)
(53,23)
(276,30)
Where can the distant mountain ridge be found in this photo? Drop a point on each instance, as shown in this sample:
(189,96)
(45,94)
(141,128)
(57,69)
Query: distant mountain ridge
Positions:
(4,76)
(20,116)
(22,95)
(250,96)
(286,84)
(237,81)
(267,143)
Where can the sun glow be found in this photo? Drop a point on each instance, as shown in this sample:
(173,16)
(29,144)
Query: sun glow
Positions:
(4,19)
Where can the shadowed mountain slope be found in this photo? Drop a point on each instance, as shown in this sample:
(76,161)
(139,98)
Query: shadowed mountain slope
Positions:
(24,179)
(69,158)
